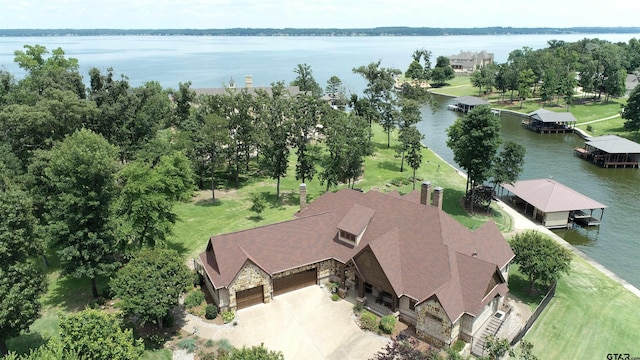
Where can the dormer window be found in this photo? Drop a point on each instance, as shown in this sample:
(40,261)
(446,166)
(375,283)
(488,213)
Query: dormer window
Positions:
(347,236)
(353,225)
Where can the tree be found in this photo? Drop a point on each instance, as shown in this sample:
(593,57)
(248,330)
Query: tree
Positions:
(148,193)
(409,116)
(526,80)
(183,99)
(97,335)
(255,353)
(151,283)
(539,257)
(401,349)
(525,351)
(381,94)
(496,347)
(21,282)
(335,91)
(631,112)
(442,71)
(257,204)
(420,68)
(277,123)
(81,173)
(307,113)
(305,81)
(412,141)
(474,139)
(508,164)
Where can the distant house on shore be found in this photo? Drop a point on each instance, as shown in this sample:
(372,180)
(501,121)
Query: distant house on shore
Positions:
(248,80)
(545,121)
(467,61)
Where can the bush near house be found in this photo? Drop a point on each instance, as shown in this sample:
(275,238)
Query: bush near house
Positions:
(387,323)
(211,311)
(228,316)
(194,298)
(368,321)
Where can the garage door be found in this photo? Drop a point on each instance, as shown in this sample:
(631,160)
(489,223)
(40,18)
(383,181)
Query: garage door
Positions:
(294,282)
(246,298)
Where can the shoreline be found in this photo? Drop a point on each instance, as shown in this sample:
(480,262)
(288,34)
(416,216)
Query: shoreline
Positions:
(521,223)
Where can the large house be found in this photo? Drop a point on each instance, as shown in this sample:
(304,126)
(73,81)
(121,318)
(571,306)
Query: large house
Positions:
(468,61)
(400,255)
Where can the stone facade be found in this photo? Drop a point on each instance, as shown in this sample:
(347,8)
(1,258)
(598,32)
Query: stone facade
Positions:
(249,277)
(325,270)
(406,314)
(433,324)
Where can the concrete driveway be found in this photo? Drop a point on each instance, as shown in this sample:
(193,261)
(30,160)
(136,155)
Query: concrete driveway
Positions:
(303,324)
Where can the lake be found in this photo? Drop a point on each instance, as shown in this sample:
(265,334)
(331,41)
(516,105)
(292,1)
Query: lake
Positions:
(212,61)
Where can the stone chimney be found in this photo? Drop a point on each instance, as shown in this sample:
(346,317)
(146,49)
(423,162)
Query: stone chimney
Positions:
(303,196)
(248,81)
(425,193)
(437,197)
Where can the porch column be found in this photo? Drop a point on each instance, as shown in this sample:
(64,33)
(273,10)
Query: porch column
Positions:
(360,288)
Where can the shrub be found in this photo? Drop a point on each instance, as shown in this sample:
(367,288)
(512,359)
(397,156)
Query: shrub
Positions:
(168,321)
(458,345)
(335,297)
(211,311)
(187,344)
(228,316)
(358,307)
(156,341)
(333,287)
(589,128)
(208,356)
(224,348)
(194,299)
(368,321)
(210,343)
(387,323)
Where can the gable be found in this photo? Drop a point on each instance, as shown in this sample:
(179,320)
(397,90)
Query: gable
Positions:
(369,267)
(496,279)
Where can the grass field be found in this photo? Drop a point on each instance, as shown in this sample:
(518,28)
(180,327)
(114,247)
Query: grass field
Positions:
(590,317)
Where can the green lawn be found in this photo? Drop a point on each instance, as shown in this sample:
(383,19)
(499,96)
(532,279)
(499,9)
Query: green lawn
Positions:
(590,317)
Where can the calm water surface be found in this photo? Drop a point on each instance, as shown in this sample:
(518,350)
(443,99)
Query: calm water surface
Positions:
(212,61)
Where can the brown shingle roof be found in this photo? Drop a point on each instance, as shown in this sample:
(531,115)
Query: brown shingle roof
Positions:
(420,248)
(549,195)
(356,219)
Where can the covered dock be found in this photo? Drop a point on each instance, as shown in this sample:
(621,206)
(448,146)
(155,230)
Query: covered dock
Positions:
(553,204)
(610,151)
(550,122)
(466,103)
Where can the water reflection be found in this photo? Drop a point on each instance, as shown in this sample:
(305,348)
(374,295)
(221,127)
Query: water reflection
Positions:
(615,243)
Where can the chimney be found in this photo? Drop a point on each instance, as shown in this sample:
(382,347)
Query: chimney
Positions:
(437,197)
(425,193)
(303,196)
(248,81)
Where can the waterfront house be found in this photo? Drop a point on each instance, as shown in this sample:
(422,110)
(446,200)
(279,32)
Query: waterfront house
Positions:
(545,121)
(553,204)
(610,151)
(399,255)
(468,61)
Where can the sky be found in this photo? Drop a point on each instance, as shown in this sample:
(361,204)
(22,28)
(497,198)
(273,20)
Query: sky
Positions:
(218,14)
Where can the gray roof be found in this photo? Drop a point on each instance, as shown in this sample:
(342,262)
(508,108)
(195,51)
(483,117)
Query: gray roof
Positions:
(614,144)
(547,116)
(470,101)
(549,195)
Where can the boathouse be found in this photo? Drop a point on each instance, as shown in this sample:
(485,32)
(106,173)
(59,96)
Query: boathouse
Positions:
(610,151)
(550,122)
(466,103)
(553,204)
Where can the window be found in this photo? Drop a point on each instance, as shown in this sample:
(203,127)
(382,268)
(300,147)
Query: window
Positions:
(433,317)
(412,304)
(347,236)
(368,288)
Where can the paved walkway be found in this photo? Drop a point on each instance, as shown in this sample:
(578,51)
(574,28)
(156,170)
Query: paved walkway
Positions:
(303,324)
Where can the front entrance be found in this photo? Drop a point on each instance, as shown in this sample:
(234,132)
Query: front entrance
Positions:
(249,297)
(294,281)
